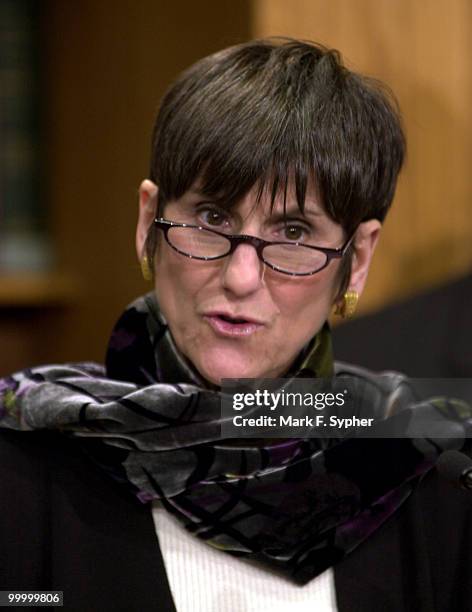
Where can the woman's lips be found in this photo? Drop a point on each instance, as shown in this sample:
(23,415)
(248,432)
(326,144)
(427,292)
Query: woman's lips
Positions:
(230,329)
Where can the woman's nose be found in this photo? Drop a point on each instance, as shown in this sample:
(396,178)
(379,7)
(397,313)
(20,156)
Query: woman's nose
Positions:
(243,271)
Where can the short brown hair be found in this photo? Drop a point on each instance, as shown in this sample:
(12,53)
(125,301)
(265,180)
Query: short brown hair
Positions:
(275,113)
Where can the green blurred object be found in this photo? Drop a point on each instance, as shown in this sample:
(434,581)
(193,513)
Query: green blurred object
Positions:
(23,238)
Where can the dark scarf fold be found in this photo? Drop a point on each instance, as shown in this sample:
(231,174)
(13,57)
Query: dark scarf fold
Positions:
(149,419)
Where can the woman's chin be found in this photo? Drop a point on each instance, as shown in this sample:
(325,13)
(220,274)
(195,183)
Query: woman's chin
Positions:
(215,367)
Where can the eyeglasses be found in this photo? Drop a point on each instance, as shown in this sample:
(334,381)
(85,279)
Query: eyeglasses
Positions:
(206,244)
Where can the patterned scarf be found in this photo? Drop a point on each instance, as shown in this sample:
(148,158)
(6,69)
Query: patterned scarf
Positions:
(149,420)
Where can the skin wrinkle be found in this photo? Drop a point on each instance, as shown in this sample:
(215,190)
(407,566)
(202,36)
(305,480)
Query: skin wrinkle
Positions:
(272,187)
(292,309)
(259,126)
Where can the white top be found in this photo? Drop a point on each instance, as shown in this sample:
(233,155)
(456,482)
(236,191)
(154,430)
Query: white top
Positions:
(204,579)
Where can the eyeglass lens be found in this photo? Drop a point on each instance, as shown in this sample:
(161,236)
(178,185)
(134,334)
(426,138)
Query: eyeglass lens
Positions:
(293,259)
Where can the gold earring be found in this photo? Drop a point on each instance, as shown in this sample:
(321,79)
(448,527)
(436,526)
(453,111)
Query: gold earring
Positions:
(146,268)
(347,307)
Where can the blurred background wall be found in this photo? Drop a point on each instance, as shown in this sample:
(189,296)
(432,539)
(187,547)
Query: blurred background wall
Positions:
(423,50)
(102,67)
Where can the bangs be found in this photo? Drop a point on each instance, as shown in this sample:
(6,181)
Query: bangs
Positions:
(225,170)
(279,117)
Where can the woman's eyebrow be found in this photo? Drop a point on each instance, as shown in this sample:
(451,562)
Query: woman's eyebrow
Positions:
(296,212)
(192,197)
(196,193)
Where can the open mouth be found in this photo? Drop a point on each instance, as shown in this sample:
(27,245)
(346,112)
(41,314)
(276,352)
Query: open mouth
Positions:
(225,325)
(231,320)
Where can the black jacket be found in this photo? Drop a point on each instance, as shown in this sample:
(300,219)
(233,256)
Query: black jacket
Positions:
(427,336)
(65,525)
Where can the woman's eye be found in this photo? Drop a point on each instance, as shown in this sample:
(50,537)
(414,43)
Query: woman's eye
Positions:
(294,232)
(213,217)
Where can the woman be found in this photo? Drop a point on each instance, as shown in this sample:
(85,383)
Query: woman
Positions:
(272,168)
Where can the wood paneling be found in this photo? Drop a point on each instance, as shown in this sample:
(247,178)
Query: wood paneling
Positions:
(422,49)
(105,67)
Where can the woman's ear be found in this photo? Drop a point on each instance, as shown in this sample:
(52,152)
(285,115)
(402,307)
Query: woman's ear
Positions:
(147,212)
(365,241)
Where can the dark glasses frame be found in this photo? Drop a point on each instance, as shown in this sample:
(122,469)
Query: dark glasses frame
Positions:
(259,245)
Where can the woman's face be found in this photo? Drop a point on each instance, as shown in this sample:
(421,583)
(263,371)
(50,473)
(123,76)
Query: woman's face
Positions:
(281,312)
